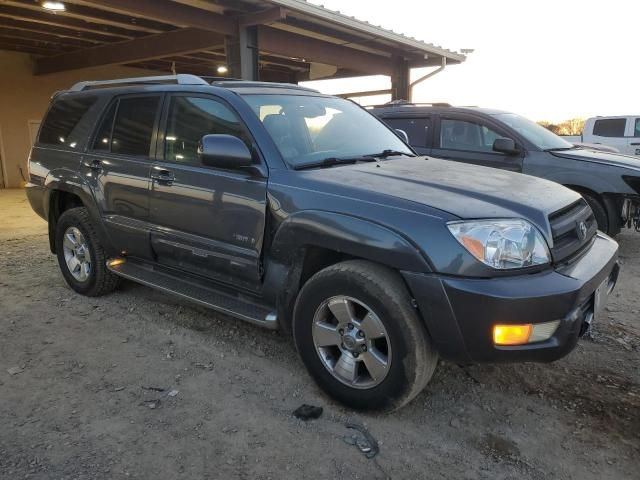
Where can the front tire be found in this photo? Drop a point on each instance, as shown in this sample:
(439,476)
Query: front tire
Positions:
(81,257)
(360,337)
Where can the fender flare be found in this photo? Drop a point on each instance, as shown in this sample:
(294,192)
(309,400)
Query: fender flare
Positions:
(68,181)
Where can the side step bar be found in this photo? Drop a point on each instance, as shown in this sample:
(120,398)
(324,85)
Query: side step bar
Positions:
(195,291)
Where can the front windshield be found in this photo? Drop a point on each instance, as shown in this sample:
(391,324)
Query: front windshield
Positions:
(309,128)
(536,134)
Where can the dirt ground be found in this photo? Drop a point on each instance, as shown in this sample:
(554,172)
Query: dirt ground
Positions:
(84,392)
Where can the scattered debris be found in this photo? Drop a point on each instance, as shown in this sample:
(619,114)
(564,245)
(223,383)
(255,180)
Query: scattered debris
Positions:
(15,370)
(172,393)
(307,412)
(155,389)
(204,366)
(455,423)
(117,389)
(365,442)
(152,404)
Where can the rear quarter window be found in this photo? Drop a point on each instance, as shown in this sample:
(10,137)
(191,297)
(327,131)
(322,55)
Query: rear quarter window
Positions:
(63,117)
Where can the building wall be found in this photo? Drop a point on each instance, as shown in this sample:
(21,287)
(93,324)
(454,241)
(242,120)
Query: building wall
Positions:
(24,98)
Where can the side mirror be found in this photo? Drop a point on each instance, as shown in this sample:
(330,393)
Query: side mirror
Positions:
(403,135)
(506,146)
(224,151)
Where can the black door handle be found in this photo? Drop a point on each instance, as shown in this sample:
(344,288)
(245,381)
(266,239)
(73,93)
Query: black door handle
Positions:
(94,165)
(163,176)
(635,143)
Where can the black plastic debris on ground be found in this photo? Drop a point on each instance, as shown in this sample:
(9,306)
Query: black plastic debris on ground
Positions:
(365,442)
(307,412)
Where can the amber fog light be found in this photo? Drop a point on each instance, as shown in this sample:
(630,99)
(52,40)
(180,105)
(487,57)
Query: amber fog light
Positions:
(523,334)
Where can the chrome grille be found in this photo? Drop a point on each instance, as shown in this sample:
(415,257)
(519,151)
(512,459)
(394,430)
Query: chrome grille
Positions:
(569,237)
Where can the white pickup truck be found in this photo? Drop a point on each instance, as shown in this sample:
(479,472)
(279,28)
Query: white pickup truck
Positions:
(621,133)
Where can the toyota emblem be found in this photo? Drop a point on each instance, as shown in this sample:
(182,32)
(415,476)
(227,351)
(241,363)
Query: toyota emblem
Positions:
(582,230)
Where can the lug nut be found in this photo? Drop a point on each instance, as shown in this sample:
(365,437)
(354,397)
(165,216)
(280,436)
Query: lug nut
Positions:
(364,348)
(356,354)
(361,334)
(341,331)
(350,326)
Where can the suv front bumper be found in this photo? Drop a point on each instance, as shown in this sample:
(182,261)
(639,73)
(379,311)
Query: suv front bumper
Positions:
(460,312)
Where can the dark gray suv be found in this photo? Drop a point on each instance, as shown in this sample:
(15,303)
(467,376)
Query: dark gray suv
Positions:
(295,210)
(609,182)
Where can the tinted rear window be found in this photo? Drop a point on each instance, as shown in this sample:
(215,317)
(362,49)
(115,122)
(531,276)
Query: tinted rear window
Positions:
(63,117)
(610,127)
(133,128)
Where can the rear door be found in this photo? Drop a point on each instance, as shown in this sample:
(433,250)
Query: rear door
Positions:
(469,139)
(207,221)
(117,165)
(418,129)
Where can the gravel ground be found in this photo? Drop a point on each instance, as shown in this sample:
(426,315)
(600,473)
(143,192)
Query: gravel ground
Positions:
(141,385)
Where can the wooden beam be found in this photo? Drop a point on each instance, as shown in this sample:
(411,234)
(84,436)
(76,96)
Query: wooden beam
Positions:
(45,18)
(171,12)
(300,46)
(263,17)
(43,37)
(63,32)
(12,46)
(85,13)
(139,50)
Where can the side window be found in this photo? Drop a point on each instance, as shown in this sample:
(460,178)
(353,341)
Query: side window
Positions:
(133,127)
(102,140)
(610,127)
(467,136)
(637,129)
(418,129)
(63,117)
(191,118)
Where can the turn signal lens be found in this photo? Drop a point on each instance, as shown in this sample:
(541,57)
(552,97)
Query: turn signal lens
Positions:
(512,334)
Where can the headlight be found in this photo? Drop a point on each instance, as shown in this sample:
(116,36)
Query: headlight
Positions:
(502,244)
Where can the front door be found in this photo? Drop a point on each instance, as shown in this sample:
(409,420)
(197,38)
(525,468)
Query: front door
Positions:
(470,140)
(418,129)
(206,221)
(634,138)
(117,165)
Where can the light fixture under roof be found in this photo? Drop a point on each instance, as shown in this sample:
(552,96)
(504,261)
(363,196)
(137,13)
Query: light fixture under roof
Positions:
(54,6)
(222,69)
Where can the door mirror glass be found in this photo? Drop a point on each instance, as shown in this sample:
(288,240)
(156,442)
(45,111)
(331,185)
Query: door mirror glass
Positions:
(506,146)
(403,135)
(224,151)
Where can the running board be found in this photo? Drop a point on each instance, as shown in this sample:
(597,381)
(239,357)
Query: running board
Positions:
(194,291)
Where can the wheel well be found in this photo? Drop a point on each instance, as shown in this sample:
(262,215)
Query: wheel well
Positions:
(59,203)
(317,258)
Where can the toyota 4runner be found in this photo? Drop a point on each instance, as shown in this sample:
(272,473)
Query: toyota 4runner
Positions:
(290,209)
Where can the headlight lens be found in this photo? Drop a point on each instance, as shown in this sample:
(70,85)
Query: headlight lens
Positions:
(502,244)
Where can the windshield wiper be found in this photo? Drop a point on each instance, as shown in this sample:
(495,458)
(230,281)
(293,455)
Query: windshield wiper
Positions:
(390,153)
(331,161)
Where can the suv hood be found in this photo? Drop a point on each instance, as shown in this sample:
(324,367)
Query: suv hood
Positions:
(615,159)
(465,191)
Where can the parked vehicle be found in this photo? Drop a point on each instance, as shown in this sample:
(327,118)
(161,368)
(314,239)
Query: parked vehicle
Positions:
(621,133)
(610,183)
(290,209)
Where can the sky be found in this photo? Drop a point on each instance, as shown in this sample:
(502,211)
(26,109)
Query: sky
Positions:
(546,60)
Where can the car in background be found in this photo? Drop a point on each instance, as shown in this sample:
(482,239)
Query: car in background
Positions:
(621,133)
(609,182)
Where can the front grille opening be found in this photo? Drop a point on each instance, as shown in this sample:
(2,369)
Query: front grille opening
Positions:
(568,236)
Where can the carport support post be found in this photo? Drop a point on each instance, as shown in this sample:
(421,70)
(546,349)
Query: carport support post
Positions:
(400,80)
(242,54)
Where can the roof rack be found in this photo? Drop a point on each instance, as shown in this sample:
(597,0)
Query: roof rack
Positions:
(180,79)
(399,103)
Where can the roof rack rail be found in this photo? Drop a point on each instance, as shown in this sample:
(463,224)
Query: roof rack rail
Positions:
(180,79)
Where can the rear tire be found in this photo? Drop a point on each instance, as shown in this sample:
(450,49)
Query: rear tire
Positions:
(360,337)
(599,211)
(82,259)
